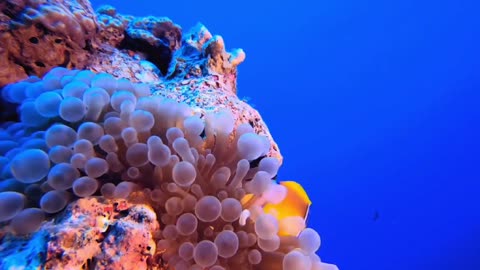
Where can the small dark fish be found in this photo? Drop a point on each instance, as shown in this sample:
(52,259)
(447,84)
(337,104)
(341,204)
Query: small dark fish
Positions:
(376,215)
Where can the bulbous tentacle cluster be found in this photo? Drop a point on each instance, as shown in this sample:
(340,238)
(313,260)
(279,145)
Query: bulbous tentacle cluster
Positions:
(83,134)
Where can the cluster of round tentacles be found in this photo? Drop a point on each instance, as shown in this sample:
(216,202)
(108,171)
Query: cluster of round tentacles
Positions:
(84,134)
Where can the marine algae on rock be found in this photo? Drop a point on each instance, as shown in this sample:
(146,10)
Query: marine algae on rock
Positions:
(124,146)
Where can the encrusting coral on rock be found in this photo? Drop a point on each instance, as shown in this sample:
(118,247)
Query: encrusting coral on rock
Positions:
(113,233)
(133,151)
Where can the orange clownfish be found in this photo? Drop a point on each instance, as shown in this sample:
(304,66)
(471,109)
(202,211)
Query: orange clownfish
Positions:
(295,204)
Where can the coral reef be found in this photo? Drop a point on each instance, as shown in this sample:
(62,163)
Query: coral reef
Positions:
(124,146)
(90,230)
(38,35)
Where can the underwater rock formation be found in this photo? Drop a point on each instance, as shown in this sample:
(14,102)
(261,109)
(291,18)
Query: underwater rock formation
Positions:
(113,233)
(123,145)
(38,35)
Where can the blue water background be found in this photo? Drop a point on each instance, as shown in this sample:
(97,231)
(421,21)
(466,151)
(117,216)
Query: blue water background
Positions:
(376,108)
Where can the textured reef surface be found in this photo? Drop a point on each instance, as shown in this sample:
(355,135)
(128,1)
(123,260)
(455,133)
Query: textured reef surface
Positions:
(124,145)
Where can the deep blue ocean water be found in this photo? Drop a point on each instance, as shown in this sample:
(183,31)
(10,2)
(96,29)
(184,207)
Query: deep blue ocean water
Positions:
(376,108)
